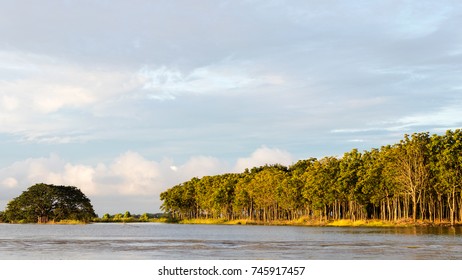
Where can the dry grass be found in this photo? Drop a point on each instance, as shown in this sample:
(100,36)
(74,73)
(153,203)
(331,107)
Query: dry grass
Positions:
(308,221)
(203,221)
(68,222)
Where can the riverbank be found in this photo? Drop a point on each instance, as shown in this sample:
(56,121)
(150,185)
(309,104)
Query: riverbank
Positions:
(304,221)
(311,222)
(132,220)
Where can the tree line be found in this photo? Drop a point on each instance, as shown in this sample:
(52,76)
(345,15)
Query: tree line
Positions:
(127,217)
(418,178)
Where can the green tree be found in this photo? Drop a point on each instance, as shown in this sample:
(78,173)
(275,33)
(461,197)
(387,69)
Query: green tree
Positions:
(263,192)
(321,189)
(243,201)
(447,167)
(118,217)
(106,217)
(223,194)
(350,167)
(127,215)
(413,165)
(42,202)
(144,217)
(417,178)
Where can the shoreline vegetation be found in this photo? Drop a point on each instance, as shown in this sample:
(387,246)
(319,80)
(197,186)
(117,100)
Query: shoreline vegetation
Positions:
(303,223)
(416,180)
(318,223)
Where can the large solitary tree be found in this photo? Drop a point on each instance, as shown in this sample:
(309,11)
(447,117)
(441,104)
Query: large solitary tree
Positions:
(43,202)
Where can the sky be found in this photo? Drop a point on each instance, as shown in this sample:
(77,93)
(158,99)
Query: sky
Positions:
(125,99)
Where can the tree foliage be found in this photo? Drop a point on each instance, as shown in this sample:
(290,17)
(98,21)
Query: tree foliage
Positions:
(43,202)
(417,178)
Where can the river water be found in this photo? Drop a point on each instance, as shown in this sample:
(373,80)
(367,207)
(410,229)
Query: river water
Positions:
(173,241)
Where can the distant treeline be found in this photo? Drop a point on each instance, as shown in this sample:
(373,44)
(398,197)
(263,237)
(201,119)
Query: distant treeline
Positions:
(419,178)
(129,218)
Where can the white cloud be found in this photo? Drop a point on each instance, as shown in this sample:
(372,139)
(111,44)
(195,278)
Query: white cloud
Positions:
(444,117)
(437,120)
(54,101)
(129,175)
(199,166)
(262,156)
(49,99)
(167,83)
(10,182)
(50,87)
(19,62)
(74,175)
(9,103)
(356,140)
(137,174)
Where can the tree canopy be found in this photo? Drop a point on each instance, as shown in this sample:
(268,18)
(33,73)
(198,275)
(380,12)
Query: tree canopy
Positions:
(418,178)
(43,202)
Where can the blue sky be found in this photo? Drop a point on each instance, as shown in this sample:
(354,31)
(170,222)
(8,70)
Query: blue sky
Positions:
(124,99)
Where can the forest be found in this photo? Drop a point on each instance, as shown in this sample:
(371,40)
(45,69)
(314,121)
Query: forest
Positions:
(417,179)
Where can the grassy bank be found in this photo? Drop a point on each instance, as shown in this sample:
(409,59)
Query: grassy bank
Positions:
(304,221)
(367,223)
(131,220)
(316,222)
(67,222)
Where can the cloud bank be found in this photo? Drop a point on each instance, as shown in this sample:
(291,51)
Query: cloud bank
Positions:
(129,175)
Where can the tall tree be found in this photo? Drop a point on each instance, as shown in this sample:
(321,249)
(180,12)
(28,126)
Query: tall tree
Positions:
(321,188)
(447,166)
(418,178)
(41,203)
(412,163)
(350,167)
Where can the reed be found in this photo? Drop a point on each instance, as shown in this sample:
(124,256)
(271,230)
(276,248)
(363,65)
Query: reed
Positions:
(364,223)
(203,221)
(68,222)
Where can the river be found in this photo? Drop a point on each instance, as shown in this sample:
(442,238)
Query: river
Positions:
(151,241)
